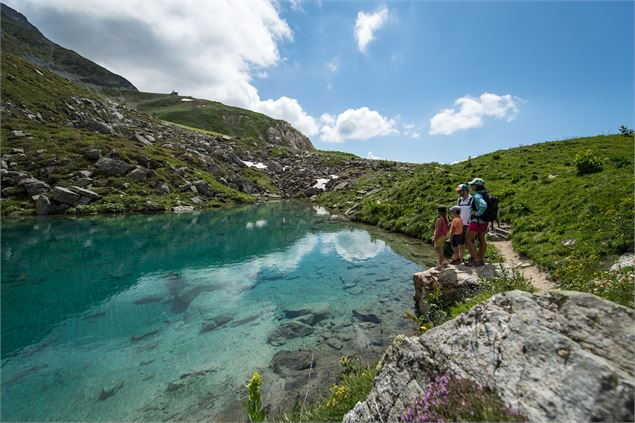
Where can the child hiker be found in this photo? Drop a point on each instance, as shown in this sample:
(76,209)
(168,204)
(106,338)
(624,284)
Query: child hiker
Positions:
(456,235)
(440,233)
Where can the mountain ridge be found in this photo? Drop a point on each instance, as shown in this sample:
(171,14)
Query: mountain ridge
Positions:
(23,39)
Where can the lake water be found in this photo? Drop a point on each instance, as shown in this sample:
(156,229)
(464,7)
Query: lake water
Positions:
(164,317)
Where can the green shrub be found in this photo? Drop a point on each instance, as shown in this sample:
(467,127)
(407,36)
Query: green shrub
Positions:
(586,163)
(626,131)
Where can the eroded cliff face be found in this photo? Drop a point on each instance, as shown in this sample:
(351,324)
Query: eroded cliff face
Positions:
(560,356)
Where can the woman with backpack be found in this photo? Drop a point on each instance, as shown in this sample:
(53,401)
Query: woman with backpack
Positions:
(478,224)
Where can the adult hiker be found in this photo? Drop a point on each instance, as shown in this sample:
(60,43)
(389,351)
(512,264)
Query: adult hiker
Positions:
(465,203)
(477,228)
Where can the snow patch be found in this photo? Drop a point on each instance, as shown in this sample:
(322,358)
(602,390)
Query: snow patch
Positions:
(256,165)
(186,99)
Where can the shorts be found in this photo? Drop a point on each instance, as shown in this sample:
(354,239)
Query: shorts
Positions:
(439,242)
(479,228)
(457,240)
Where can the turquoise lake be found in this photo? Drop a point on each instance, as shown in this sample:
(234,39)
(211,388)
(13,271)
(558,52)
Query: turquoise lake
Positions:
(165,317)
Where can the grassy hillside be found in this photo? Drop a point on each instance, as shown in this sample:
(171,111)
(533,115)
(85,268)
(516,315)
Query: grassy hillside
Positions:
(21,38)
(52,112)
(207,115)
(541,194)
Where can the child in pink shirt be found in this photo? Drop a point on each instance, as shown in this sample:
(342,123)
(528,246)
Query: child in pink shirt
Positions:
(440,234)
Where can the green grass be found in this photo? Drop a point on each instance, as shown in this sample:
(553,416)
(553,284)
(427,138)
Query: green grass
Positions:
(541,194)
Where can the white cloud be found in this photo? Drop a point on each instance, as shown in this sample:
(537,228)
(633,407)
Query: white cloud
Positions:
(192,47)
(329,86)
(355,124)
(366,25)
(290,110)
(372,156)
(411,130)
(296,4)
(332,65)
(470,111)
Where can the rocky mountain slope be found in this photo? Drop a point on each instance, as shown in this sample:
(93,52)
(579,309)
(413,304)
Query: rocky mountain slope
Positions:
(69,149)
(559,356)
(21,38)
(214,117)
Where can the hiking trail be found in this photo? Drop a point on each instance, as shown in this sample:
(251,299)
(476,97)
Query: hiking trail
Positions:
(539,279)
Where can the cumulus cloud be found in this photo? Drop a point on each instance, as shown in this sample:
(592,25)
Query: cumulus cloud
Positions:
(469,112)
(355,124)
(367,24)
(290,110)
(204,49)
(210,50)
(372,156)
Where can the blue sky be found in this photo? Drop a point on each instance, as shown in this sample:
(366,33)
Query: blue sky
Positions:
(410,81)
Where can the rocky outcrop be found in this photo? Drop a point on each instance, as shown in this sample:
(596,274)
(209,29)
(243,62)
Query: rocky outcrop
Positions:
(451,283)
(282,133)
(560,356)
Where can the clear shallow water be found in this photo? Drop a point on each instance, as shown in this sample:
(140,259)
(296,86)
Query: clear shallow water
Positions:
(165,316)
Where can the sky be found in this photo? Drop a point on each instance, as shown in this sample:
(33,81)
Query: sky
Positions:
(413,81)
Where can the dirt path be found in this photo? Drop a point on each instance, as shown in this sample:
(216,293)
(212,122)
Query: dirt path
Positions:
(539,279)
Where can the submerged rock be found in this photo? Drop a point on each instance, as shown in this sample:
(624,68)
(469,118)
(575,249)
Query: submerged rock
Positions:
(559,356)
(291,330)
(109,391)
(366,315)
(317,312)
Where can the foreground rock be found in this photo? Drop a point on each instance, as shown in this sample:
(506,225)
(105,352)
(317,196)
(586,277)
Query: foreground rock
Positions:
(559,356)
(452,283)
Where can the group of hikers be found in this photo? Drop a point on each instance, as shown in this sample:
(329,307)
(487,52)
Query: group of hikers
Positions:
(471,216)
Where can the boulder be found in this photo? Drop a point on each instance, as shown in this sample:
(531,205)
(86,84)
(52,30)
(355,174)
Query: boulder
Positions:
(33,186)
(92,195)
(92,154)
(65,196)
(112,167)
(141,139)
(137,174)
(151,206)
(291,330)
(559,356)
(625,260)
(569,242)
(453,283)
(95,126)
(182,209)
(164,188)
(196,200)
(84,182)
(42,205)
(203,188)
